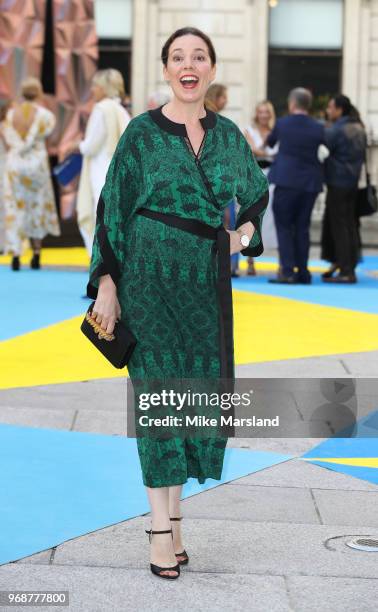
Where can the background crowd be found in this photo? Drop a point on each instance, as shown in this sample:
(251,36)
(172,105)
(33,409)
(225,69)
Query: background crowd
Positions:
(302,156)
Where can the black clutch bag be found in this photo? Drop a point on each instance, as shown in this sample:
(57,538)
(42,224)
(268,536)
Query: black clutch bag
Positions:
(116,347)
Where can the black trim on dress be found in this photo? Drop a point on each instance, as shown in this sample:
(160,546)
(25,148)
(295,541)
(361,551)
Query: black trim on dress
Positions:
(109,264)
(178,129)
(253,214)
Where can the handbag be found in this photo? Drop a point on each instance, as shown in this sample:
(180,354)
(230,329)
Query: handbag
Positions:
(367,200)
(116,347)
(68,169)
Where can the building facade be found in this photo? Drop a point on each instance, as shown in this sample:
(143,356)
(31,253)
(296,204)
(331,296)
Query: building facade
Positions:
(265,47)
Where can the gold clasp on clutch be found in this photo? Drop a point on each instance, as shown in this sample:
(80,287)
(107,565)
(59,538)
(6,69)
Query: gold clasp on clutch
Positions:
(102,335)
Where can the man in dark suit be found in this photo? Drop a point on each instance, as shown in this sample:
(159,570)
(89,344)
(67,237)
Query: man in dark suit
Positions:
(298,176)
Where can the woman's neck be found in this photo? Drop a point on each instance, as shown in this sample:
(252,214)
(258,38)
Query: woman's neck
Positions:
(184,112)
(262,128)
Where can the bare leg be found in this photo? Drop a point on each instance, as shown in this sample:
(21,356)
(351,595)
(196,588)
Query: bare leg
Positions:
(251,271)
(36,244)
(162,552)
(175,511)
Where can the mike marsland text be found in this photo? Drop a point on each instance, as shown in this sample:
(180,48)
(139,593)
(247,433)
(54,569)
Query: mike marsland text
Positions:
(203,421)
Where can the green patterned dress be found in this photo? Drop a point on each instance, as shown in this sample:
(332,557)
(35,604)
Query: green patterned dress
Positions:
(165,277)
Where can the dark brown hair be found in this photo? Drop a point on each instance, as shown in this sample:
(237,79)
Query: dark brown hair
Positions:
(348,110)
(184,32)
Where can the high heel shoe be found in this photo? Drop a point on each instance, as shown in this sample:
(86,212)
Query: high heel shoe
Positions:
(15,263)
(184,554)
(34,263)
(330,272)
(156,569)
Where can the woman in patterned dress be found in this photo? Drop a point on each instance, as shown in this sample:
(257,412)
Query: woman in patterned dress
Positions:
(160,263)
(30,210)
(3,148)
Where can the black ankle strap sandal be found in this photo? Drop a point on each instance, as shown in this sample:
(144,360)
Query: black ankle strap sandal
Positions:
(156,569)
(35,262)
(183,554)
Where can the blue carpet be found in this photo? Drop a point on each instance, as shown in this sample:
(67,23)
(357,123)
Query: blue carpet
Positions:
(369,262)
(38,298)
(363,445)
(363,296)
(363,473)
(58,485)
(52,296)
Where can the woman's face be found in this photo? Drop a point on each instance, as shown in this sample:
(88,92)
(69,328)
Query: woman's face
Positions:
(189,70)
(97,92)
(263,116)
(333,112)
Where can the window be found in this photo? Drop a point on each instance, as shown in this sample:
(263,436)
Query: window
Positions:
(114,31)
(305,49)
(113,19)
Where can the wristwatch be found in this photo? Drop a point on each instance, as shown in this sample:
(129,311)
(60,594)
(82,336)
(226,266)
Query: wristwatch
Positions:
(244,240)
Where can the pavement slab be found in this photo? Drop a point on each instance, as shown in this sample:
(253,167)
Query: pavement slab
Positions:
(37,417)
(348,508)
(104,589)
(302,474)
(253,503)
(224,546)
(315,594)
(273,540)
(101,421)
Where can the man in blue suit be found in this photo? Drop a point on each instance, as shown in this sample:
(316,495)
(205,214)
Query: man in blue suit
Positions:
(298,176)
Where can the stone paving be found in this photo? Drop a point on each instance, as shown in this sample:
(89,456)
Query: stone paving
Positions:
(273,541)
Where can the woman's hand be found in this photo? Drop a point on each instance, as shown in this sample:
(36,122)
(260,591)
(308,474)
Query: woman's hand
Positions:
(235,246)
(72,148)
(106,310)
(259,152)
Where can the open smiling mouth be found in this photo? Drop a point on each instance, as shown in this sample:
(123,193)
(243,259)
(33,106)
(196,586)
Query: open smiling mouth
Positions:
(189,81)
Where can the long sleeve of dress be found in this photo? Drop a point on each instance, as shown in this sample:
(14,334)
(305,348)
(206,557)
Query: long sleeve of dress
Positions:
(95,134)
(118,201)
(253,196)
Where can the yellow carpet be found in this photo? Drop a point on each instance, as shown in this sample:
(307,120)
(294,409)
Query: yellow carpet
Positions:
(271,328)
(370,462)
(78,256)
(55,354)
(266,328)
(67,256)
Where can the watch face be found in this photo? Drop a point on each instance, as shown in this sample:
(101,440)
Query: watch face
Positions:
(244,240)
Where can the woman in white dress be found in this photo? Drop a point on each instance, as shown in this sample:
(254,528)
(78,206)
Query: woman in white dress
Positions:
(3,149)
(106,125)
(29,202)
(256,134)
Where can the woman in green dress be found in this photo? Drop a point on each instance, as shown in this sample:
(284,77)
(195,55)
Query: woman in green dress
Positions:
(160,263)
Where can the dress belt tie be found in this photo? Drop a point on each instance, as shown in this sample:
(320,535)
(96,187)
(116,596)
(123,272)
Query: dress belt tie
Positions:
(221,240)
